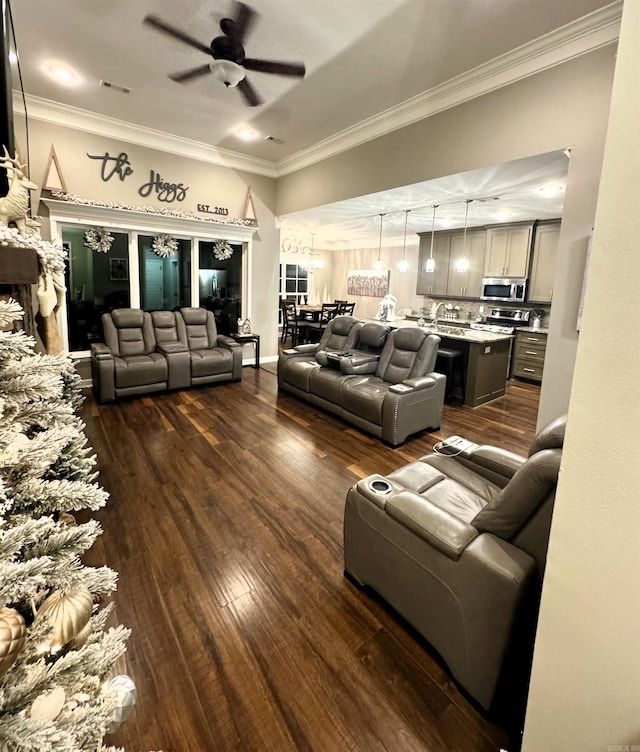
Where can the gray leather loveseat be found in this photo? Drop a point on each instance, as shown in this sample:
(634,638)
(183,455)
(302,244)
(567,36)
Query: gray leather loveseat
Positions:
(152,352)
(457,545)
(382,381)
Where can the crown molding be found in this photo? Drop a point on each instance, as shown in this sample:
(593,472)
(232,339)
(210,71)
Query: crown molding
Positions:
(73,117)
(577,38)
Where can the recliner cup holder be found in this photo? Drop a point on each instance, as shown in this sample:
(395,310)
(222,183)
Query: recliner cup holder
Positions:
(380,486)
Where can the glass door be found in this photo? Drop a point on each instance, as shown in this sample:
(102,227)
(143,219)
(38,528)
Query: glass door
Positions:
(96,282)
(165,272)
(220,282)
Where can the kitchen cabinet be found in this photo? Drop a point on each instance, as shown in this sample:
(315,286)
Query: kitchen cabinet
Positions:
(543,265)
(435,282)
(486,367)
(529,353)
(508,249)
(466,284)
(446,280)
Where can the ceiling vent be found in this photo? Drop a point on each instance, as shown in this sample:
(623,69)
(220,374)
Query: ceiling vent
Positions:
(115,87)
(274,139)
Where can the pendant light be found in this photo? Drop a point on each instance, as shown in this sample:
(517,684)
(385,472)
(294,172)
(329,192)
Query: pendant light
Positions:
(462,264)
(378,263)
(431,262)
(403,266)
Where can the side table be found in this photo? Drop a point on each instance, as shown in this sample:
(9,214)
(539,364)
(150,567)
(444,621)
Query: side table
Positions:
(255,338)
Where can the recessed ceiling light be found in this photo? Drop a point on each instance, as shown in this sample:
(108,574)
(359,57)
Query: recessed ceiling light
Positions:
(551,190)
(246,133)
(62,73)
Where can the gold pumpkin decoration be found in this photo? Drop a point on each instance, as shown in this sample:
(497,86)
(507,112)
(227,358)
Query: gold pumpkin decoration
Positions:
(13,633)
(68,613)
(83,635)
(67,519)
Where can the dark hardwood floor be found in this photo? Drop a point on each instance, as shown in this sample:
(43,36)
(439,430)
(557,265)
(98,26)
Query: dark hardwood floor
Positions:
(225,525)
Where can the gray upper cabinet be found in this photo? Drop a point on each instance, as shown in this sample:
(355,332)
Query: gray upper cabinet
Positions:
(507,250)
(543,266)
(447,250)
(434,283)
(466,284)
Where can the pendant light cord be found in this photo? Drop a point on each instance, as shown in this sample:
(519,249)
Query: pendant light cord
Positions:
(380,239)
(404,245)
(433,229)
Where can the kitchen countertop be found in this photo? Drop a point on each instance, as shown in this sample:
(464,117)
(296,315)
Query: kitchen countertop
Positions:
(452,332)
(539,330)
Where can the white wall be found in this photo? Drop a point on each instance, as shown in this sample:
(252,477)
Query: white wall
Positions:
(585,686)
(208,183)
(565,106)
(401,284)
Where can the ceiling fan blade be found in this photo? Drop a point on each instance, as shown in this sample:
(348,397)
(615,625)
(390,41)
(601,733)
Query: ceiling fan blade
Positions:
(251,96)
(239,26)
(280,67)
(166,28)
(187,75)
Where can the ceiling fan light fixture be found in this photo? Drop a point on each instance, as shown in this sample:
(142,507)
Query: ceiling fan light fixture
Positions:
(227,72)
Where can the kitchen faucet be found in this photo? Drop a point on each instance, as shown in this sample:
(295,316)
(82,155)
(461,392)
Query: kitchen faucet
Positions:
(434,323)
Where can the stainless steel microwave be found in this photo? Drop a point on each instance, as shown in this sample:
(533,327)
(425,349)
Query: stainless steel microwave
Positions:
(504,289)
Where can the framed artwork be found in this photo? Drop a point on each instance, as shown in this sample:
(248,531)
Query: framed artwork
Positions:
(371,282)
(119,269)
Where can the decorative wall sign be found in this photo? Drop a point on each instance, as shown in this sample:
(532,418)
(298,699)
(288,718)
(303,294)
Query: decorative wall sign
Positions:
(121,166)
(371,282)
(111,166)
(165,191)
(206,209)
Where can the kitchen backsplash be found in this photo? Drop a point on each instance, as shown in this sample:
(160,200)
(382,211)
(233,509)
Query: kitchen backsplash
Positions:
(470,310)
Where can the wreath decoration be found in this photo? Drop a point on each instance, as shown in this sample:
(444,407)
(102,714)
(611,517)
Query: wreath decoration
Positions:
(222,250)
(98,239)
(164,245)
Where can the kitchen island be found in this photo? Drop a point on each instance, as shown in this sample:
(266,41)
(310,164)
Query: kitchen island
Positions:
(485,358)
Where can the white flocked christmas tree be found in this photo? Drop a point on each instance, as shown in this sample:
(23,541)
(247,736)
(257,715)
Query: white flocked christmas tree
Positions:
(58,689)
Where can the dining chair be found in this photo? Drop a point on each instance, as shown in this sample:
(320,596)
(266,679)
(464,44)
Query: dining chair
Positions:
(328,312)
(346,309)
(292,326)
(284,302)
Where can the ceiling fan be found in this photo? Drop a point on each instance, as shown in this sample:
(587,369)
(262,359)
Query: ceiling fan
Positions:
(229,61)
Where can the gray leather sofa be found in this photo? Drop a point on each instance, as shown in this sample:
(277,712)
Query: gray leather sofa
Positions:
(457,545)
(379,380)
(152,352)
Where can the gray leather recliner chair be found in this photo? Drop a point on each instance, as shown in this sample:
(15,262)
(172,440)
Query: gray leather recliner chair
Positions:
(127,363)
(213,357)
(457,545)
